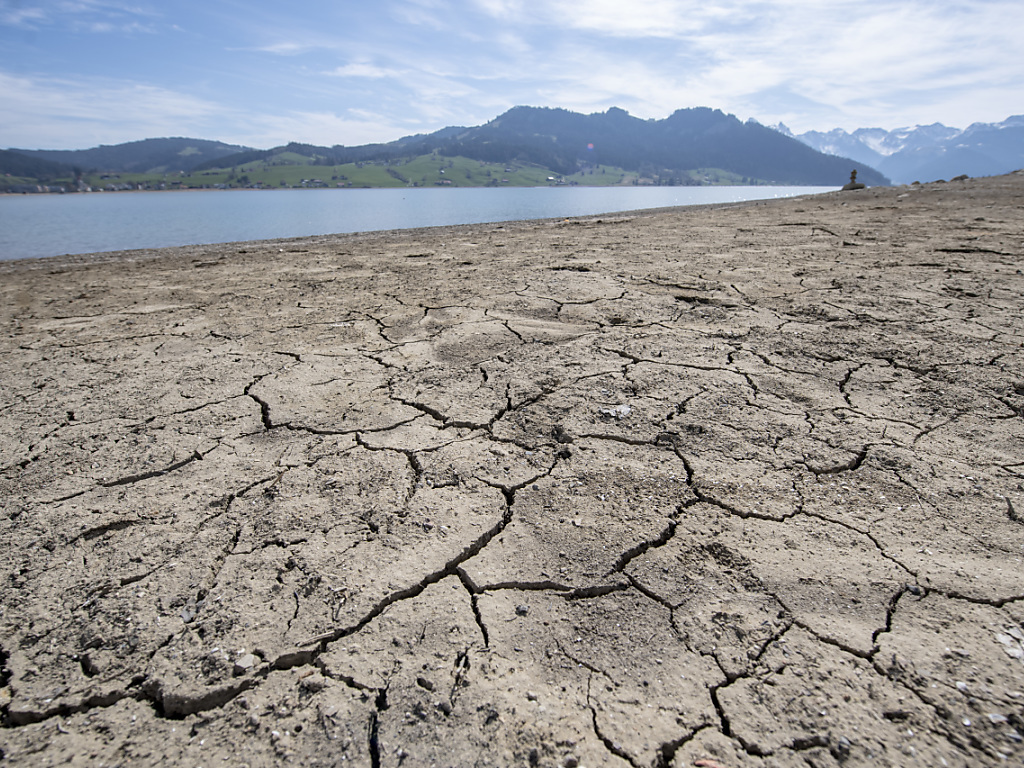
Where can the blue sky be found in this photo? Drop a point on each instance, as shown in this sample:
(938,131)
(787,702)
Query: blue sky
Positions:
(78,73)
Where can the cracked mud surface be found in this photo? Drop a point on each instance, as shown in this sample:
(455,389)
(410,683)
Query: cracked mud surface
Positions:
(736,486)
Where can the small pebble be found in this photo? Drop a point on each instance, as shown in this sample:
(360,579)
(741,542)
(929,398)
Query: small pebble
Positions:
(314,683)
(522,610)
(244,663)
(843,746)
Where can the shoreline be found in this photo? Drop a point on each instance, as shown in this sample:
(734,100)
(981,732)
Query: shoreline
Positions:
(415,229)
(93,224)
(729,483)
(453,186)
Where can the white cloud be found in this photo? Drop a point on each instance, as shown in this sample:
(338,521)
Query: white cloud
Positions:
(107,28)
(284,48)
(874,62)
(637,19)
(807,62)
(501,9)
(613,18)
(99,112)
(421,15)
(116,112)
(95,16)
(362,69)
(353,75)
(22,17)
(857,61)
(320,128)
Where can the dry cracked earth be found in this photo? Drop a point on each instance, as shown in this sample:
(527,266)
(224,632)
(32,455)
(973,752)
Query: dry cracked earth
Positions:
(732,486)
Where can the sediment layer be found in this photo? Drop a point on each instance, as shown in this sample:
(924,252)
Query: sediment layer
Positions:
(741,485)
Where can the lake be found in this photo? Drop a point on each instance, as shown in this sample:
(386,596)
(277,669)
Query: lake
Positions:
(51,224)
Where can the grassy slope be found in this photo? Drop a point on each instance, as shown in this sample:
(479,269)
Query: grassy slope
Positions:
(288,170)
(424,171)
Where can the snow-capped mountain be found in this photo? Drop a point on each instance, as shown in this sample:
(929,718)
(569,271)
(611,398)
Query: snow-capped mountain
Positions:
(927,152)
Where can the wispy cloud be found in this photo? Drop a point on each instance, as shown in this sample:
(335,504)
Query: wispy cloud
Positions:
(328,72)
(47,106)
(110,28)
(853,60)
(284,48)
(639,19)
(362,69)
(100,16)
(612,18)
(115,112)
(29,18)
(866,60)
(323,128)
(419,14)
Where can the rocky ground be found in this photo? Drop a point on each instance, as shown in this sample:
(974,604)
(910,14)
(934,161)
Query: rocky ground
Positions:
(732,486)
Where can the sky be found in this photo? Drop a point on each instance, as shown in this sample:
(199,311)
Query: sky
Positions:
(261,73)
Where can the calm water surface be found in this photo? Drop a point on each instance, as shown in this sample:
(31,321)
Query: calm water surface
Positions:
(50,225)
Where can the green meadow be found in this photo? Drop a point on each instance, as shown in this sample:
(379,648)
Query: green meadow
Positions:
(289,170)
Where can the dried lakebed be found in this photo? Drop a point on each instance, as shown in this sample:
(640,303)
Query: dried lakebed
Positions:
(734,486)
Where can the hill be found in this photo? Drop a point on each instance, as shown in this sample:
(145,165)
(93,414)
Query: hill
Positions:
(170,155)
(19,167)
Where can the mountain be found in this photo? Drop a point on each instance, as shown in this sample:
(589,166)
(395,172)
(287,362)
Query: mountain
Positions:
(563,141)
(928,152)
(147,156)
(688,147)
(408,146)
(687,139)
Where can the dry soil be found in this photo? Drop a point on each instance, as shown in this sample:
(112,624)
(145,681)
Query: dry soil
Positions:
(728,486)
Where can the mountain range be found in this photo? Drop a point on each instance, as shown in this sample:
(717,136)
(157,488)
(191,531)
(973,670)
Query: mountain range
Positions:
(687,139)
(671,150)
(926,152)
(676,150)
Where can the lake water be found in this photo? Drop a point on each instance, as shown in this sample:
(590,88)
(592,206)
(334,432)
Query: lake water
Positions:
(50,224)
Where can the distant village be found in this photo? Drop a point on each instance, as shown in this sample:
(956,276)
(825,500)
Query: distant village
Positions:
(151,186)
(242,182)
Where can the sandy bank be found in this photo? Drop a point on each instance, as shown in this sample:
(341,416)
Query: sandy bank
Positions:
(741,484)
